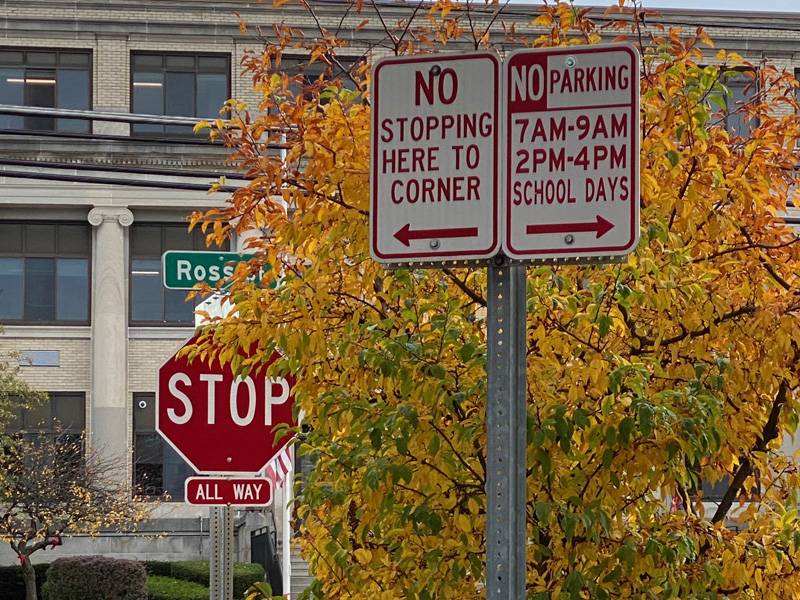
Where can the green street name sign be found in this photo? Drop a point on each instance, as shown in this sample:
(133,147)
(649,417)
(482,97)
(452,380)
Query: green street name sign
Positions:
(183,269)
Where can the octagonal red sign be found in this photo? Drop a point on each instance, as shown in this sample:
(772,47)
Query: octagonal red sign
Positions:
(220,423)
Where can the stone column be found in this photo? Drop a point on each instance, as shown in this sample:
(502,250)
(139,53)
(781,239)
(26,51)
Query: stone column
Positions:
(108,422)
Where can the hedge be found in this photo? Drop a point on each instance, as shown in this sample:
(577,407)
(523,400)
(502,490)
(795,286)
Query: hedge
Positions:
(12,585)
(95,578)
(169,588)
(244,574)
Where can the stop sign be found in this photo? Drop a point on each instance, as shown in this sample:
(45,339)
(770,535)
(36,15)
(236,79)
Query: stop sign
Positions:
(218,422)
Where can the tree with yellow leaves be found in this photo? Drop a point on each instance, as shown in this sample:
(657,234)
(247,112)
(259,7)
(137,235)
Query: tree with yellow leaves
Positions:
(50,486)
(645,379)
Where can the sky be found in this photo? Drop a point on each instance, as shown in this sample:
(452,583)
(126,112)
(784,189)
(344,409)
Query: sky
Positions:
(757,5)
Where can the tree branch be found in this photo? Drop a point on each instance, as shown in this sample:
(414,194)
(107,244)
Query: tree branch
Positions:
(768,433)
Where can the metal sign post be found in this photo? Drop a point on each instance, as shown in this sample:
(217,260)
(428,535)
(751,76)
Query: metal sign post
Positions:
(506,417)
(221,551)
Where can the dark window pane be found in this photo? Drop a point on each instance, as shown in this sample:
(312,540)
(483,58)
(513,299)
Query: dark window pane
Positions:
(179,130)
(72,289)
(37,417)
(148,99)
(12,91)
(69,411)
(41,59)
(73,92)
(177,237)
(39,289)
(212,92)
(175,473)
(149,449)
(180,63)
(179,94)
(148,62)
(40,90)
(74,59)
(146,290)
(176,308)
(40,238)
(16,420)
(74,239)
(11,288)
(740,90)
(148,476)
(144,412)
(212,64)
(148,93)
(146,241)
(10,57)
(11,237)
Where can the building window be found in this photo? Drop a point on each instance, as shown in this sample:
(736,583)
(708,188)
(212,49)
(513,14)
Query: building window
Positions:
(742,87)
(295,66)
(46,79)
(151,302)
(158,471)
(44,272)
(178,85)
(715,492)
(62,417)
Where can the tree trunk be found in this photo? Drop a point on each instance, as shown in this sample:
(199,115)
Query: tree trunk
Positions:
(29,575)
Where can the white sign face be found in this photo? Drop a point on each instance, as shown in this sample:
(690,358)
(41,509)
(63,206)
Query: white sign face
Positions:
(572,143)
(434,170)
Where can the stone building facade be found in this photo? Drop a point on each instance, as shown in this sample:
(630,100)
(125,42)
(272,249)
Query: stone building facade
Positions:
(91,249)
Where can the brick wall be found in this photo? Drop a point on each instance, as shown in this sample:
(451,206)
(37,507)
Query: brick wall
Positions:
(72,375)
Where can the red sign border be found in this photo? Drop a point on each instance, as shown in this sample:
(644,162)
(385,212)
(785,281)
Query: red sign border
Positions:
(289,438)
(575,252)
(434,255)
(207,479)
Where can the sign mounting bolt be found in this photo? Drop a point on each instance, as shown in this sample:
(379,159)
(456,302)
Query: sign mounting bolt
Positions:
(570,61)
(569,238)
(229,459)
(434,244)
(436,69)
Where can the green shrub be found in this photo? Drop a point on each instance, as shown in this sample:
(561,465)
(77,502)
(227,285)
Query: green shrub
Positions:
(158,567)
(244,574)
(12,585)
(169,588)
(95,578)
(191,570)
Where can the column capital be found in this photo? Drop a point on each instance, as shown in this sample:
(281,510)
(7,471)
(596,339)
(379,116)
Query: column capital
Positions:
(102,214)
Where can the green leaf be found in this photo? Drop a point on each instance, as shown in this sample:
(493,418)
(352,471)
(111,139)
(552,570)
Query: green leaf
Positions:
(674,158)
(542,510)
(375,437)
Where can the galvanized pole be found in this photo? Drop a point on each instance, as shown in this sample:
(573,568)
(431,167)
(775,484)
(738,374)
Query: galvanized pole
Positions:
(221,553)
(506,528)
(216,536)
(228,553)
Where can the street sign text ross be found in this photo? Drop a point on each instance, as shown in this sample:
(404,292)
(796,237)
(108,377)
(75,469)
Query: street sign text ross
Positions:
(572,152)
(434,188)
(220,491)
(183,269)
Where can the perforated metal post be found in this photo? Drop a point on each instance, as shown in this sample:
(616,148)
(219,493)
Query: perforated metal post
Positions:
(221,551)
(215,532)
(228,553)
(506,432)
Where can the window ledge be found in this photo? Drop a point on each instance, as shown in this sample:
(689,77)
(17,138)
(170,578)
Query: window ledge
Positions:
(160,333)
(47,331)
